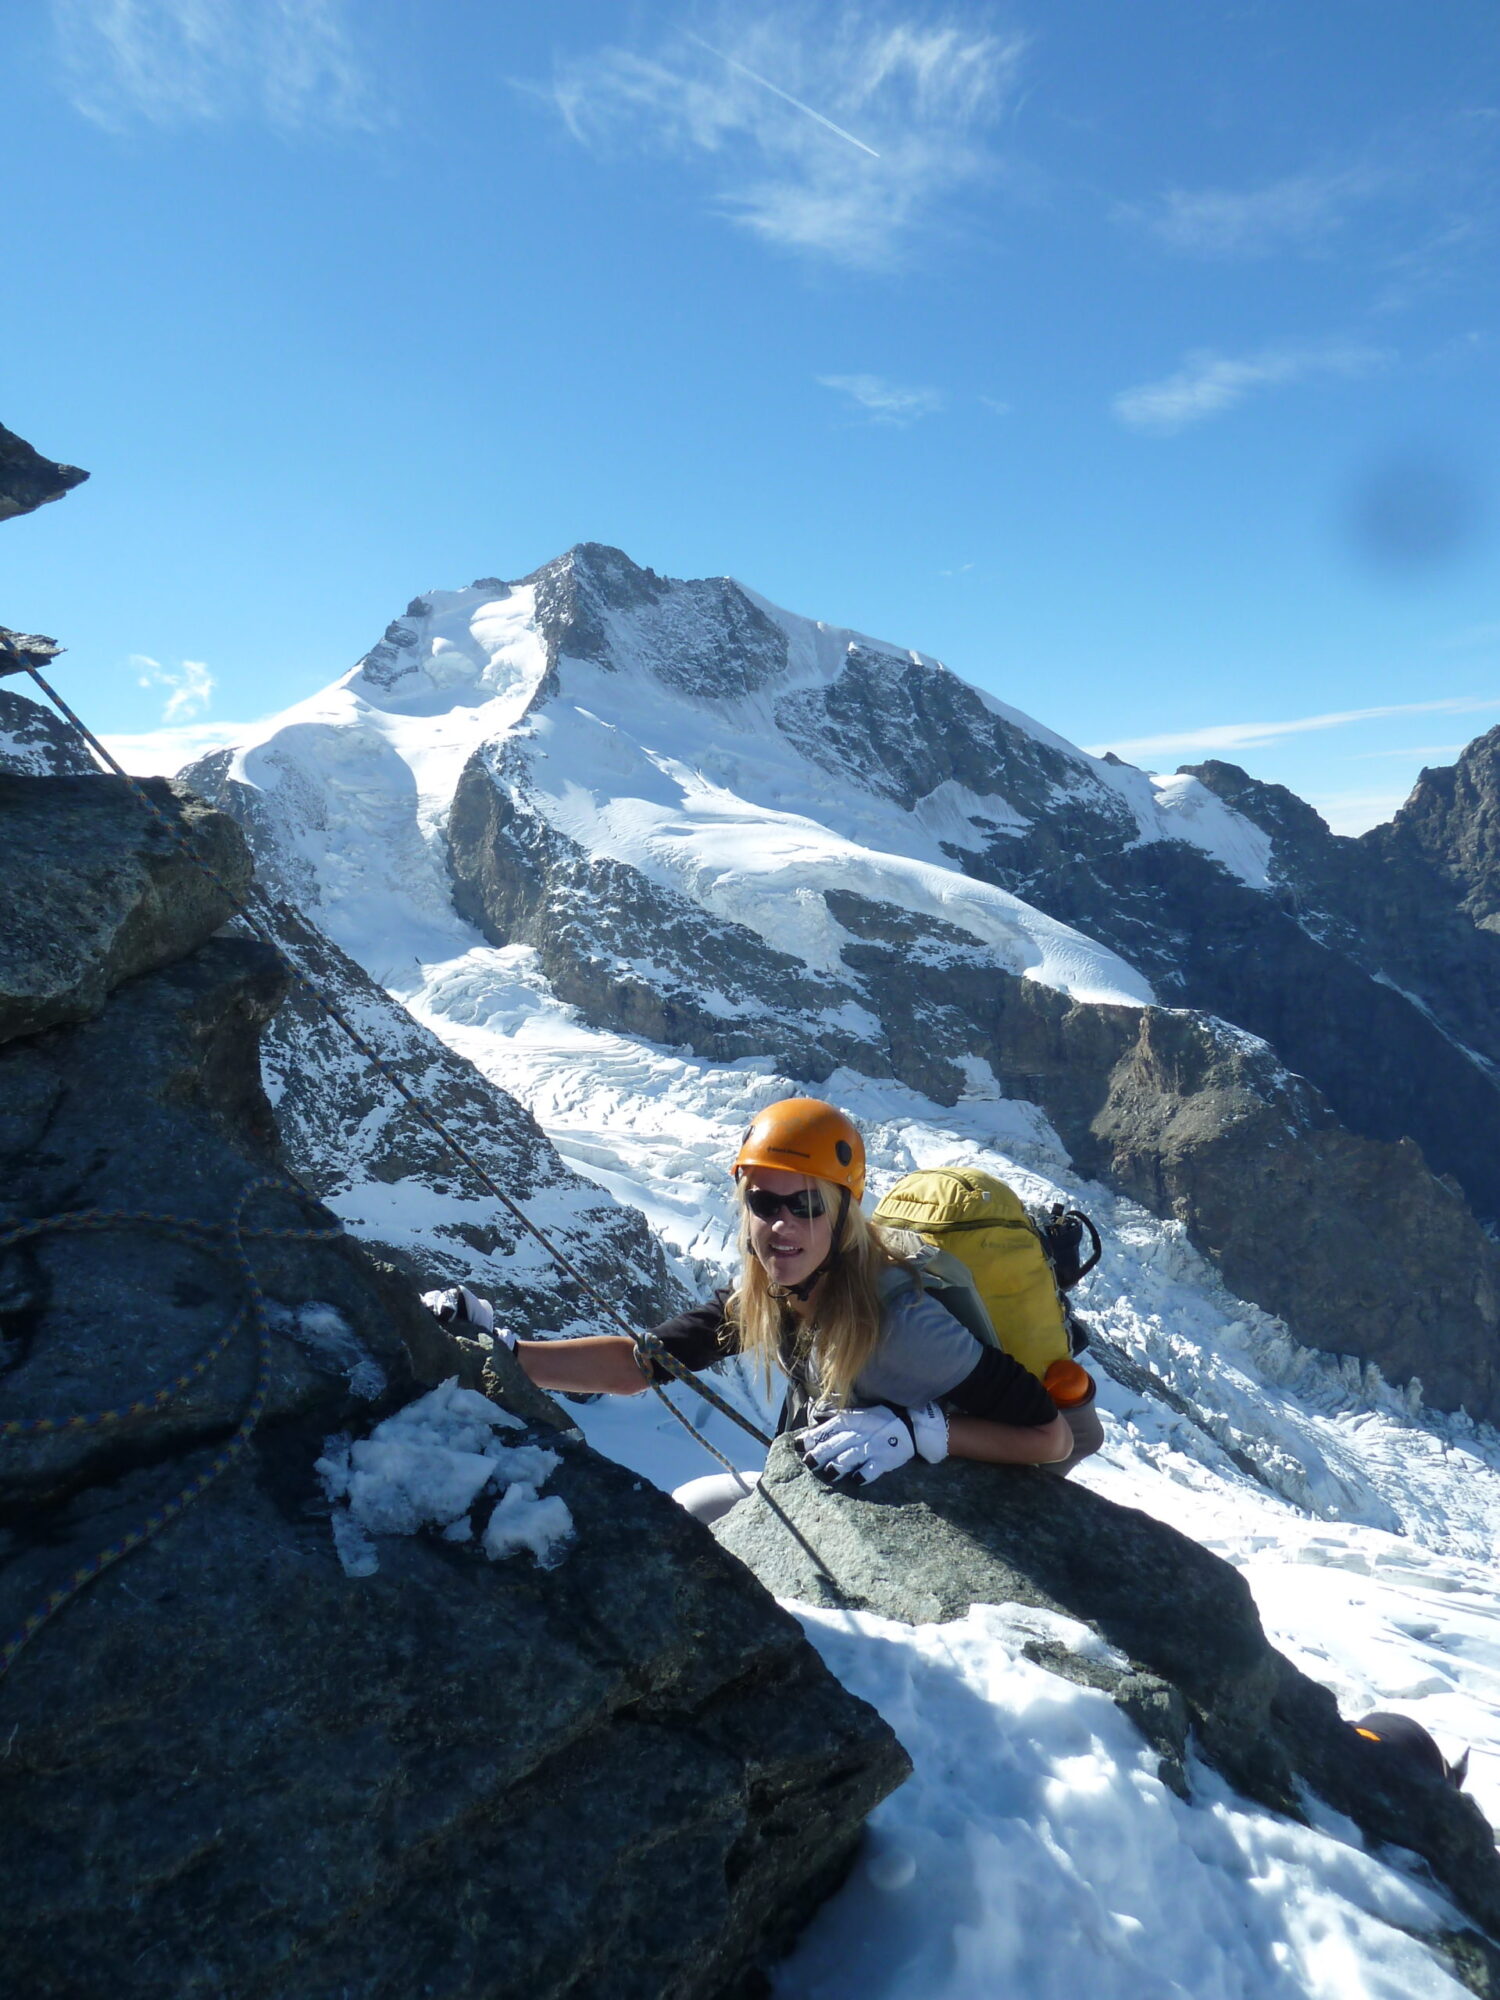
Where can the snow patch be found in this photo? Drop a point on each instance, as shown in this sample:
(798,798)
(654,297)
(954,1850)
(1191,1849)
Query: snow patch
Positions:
(427,1466)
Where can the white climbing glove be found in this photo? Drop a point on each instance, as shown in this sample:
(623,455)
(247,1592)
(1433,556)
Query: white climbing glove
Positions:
(929,1429)
(456,1305)
(855,1445)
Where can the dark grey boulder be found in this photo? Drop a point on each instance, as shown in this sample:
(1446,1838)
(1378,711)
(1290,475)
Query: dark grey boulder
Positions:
(94,891)
(927,1542)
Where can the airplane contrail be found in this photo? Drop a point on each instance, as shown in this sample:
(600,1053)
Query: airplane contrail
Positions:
(785,95)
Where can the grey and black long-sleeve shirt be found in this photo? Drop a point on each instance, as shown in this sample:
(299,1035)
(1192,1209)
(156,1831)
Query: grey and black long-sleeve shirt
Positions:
(925,1355)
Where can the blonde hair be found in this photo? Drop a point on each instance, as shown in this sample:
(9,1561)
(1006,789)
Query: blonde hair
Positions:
(844,1328)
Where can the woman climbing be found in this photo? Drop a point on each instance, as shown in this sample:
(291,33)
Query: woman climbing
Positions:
(877,1370)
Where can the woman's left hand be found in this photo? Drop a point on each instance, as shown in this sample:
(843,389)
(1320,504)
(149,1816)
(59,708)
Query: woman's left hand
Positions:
(855,1445)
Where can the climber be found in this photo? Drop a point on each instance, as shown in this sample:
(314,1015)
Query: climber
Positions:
(878,1371)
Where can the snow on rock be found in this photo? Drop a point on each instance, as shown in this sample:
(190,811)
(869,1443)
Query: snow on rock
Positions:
(1036,1852)
(427,1466)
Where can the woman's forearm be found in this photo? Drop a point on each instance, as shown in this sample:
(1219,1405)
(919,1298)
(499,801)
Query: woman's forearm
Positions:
(1009,1444)
(598,1364)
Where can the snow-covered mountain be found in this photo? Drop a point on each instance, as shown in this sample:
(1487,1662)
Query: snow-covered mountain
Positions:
(651,854)
(718,827)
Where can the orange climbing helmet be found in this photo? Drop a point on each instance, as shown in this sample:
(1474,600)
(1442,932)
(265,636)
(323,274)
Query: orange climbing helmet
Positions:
(803,1135)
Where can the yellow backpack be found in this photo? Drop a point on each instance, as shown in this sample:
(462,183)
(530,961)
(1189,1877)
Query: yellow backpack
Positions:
(983,1223)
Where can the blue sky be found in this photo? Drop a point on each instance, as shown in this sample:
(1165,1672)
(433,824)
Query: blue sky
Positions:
(1140,361)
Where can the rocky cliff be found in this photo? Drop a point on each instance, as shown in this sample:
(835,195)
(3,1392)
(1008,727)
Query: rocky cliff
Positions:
(1452,820)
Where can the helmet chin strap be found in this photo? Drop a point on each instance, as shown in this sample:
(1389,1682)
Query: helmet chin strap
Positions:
(801,1292)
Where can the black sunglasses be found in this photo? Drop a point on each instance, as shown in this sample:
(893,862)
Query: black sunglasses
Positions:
(803,1205)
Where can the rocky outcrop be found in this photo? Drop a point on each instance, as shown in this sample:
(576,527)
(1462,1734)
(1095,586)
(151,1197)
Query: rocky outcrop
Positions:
(358,1146)
(705,637)
(1452,820)
(230,1765)
(34,742)
(94,891)
(636,957)
(1193,1664)
(29,481)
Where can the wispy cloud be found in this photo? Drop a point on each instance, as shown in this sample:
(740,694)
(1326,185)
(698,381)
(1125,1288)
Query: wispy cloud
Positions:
(1354,813)
(996,407)
(838,134)
(196,62)
(191,683)
(1207,383)
(1300,211)
(164,752)
(885,402)
(1223,736)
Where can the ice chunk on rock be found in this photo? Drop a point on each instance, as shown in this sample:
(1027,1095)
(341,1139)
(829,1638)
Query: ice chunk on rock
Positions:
(426,1466)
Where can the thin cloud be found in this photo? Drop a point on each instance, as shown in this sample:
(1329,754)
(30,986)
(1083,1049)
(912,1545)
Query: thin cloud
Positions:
(163,753)
(199,62)
(785,96)
(1257,735)
(885,402)
(996,407)
(1208,384)
(191,683)
(842,143)
(1354,813)
(1300,211)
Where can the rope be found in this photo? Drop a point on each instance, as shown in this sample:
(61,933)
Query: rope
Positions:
(650,1353)
(226,1239)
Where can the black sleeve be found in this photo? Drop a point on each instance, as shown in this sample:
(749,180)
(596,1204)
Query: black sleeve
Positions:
(1003,1392)
(697,1338)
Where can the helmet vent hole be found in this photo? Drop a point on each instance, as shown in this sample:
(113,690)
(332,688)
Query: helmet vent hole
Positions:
(845,1152)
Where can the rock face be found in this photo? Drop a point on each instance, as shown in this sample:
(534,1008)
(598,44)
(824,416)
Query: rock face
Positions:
(635,956)
(29,481)
(35,743)
(927,1542)
(1452,819)
(95,892)
(233,1767)
(357,1146)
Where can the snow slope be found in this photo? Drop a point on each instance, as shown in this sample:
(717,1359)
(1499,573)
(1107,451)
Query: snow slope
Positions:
(1035,1852)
